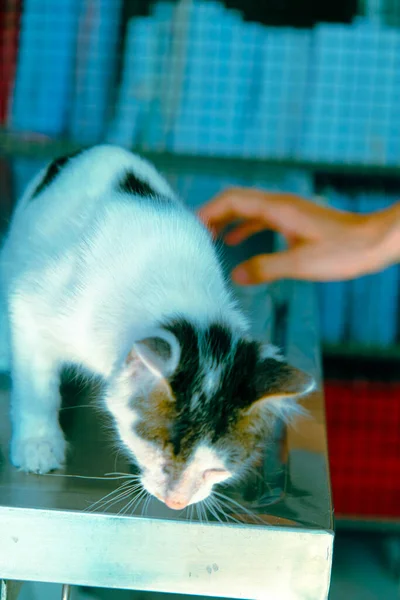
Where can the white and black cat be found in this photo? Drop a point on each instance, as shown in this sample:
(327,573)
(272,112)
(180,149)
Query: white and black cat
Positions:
(104,268)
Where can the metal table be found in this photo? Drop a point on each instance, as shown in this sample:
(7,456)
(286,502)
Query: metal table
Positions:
(276,542)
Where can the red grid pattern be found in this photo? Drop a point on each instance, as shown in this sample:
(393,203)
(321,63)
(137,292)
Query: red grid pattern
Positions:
(363,420)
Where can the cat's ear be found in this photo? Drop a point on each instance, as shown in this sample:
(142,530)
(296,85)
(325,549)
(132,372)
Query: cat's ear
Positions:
(278,385)
(158,353)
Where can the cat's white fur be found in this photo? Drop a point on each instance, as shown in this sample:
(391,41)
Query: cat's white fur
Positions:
(86,272)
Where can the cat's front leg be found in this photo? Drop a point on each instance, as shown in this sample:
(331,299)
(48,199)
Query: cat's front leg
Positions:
(37,443)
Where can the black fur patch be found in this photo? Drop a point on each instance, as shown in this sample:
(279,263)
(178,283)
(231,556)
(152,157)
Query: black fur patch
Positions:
(218,415)
(209,416)
(219,340)
(53,170)
(131,184)
(185,382)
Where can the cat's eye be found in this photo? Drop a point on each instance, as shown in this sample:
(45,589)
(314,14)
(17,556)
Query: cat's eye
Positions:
(215,475)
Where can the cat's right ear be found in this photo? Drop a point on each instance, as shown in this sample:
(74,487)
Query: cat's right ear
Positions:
(278,386)
(159,354)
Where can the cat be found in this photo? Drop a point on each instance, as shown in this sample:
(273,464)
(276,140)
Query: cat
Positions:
(103,267)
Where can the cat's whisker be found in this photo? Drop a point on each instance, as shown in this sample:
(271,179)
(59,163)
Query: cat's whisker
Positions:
(109,477)
(77,406)
(146,505)
(120,488)
(148,501)
(198,513)
(121,492)
(189,513)
(137,495)
(126,507)
(123,475)
(143,505)
(225,516)
(114,501)
(224,509)
(124,487)
(203,511)
(205,514)
(220,511)
(210,507)
(230,506)
(110,502)
(138,500)
(218,507)
(234,504)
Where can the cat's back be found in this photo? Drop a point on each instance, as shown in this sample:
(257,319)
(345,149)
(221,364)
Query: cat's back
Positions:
(71,188)
(66,200)
(70,194)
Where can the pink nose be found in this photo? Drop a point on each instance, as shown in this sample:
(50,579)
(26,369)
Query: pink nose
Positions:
(175,504)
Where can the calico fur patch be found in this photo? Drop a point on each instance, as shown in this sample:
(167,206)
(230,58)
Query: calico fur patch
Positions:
(207,396)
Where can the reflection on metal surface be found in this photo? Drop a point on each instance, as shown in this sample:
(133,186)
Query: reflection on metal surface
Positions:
(277,538)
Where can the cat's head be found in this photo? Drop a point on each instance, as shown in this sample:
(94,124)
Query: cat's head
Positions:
(194,407)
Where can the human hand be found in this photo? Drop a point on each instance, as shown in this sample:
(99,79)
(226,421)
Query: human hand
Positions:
(324,244)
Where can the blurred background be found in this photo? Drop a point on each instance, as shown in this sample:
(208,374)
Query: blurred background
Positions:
(278,94)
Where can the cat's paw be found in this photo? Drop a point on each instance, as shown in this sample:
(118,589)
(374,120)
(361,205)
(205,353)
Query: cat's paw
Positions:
(39,454)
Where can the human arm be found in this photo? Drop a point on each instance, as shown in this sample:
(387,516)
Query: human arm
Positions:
(324,244)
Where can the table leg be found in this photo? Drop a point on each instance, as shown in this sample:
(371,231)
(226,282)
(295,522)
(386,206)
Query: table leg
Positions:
(9,590)
(66,592)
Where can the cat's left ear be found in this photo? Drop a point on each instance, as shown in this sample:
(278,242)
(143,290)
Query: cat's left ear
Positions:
(159,353)
(278,385)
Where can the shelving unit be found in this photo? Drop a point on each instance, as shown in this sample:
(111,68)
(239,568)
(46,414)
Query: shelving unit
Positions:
(12,145)
(350,349)
(40,148)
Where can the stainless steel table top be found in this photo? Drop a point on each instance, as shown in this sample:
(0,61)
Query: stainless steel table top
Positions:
(275,540)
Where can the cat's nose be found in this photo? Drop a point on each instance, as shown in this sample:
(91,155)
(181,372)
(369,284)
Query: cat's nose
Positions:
(175,504)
